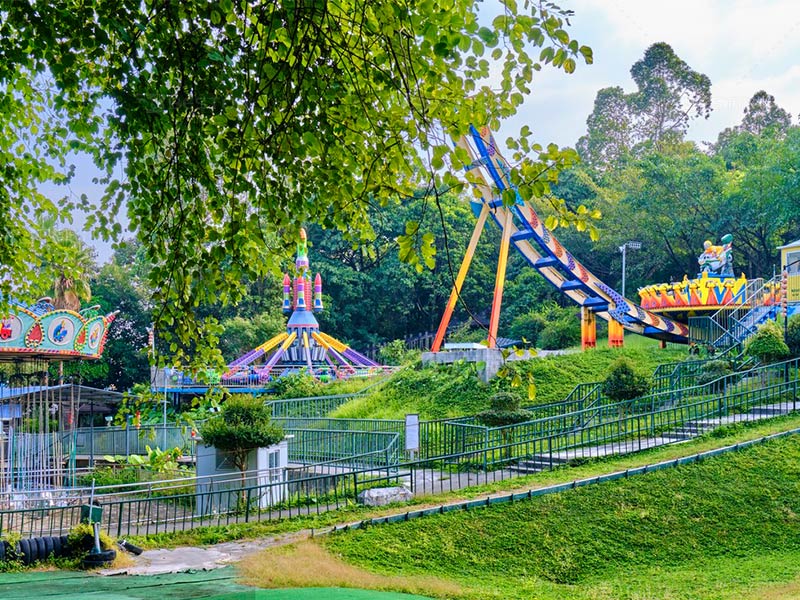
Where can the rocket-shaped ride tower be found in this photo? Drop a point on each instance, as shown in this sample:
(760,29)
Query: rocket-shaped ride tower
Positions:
(303,347)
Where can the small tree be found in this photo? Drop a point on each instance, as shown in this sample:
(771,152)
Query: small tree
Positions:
(504,410)
(243,424)
(714,371)
(767,344)
(623,382)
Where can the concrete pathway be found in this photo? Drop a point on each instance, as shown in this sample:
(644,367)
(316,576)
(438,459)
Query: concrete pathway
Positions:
(206,558)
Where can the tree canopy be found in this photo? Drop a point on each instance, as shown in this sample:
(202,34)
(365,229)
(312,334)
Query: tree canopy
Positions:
(223,127)
(669,94)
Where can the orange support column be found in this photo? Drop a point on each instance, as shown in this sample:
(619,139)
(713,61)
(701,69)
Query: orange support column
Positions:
(500,280)
(462,274)
(616,334)
(588,329)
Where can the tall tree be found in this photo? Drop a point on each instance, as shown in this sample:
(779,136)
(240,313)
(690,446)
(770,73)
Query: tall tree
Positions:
(669,94)
(609,134)
(232,123)
(762,114)
(119,287)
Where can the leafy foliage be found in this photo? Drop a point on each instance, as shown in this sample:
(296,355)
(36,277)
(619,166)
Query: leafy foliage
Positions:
(80,540)
(249,116)
(396,353)
(156,460)
(767,344)
(714,370)
(548,327)
(243,424)
(624,382)
(297,385)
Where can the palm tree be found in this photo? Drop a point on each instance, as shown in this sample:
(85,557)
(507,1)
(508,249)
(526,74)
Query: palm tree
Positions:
(71,263)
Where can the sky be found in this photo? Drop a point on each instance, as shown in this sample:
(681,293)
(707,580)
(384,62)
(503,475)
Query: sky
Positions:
(743,46)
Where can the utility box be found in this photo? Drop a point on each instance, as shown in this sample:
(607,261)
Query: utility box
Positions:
(219,484)
(91,513)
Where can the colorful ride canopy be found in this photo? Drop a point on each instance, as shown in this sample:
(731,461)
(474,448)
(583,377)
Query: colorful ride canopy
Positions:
(41,330)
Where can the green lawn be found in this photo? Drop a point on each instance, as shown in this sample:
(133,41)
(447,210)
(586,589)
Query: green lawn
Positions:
(721,529)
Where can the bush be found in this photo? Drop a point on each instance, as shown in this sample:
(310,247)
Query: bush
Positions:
(767,343)
(504,409)
(105,476)
(793,335)
(623,382)
(81,540)
(560,334)
(712,371)
(558,328)
(297,385)
(527,327)
(396,353)
(467,332)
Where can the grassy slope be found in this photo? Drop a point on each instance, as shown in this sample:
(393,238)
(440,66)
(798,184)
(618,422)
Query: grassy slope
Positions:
(454,390)
(721,529)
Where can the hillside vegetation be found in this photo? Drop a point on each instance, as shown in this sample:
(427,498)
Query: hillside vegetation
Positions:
(725,528)
(439,391)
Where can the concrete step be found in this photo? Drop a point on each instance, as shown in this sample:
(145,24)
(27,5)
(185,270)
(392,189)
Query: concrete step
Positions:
(680,433)
(539,463)
(768,410)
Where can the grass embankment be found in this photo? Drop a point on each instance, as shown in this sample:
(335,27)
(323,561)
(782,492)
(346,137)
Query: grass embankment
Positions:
(724,528)
(724,436)
(439,391)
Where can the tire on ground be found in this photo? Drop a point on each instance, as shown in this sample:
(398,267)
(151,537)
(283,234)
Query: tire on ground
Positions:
(25,550)
(41,552)
(49,548)
(99,559)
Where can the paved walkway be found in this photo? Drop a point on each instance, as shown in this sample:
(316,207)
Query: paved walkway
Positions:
(155,562)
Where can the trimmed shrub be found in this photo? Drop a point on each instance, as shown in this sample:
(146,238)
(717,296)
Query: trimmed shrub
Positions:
(767,343)
(623,382)
(297,385)
(713,371)
(396,353)
(504,409)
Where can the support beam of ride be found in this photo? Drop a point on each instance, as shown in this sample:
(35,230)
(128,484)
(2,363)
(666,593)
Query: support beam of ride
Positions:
(459,282)
(500,279)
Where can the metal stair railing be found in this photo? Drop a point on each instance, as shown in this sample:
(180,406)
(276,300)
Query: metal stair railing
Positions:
(728,327)
(742,322)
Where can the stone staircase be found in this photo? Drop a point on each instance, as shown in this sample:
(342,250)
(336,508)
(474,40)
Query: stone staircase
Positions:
(684,432)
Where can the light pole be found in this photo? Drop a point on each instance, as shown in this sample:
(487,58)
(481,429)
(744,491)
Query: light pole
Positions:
(633,246)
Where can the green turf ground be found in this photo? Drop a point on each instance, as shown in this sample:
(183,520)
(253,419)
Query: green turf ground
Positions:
(219,585)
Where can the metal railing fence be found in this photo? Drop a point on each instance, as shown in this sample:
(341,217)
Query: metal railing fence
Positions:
(486,455)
